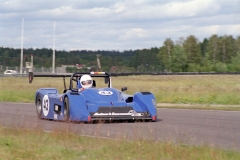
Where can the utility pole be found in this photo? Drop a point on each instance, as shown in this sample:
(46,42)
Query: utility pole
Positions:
(21,58)
(53,59)
(98,63)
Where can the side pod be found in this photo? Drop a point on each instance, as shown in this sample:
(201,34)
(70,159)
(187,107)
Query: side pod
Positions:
(147,101)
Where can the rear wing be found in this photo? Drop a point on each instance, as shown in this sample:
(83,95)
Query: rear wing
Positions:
(31,75)
(72,75)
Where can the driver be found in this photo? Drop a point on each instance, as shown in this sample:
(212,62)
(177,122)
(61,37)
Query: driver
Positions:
(86,81)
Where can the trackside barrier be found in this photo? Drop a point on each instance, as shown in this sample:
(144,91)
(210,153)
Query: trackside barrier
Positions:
(144,73)
(173,73)
(13,75)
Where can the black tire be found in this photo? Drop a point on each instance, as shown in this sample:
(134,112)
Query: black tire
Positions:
(66,109)
(39,106)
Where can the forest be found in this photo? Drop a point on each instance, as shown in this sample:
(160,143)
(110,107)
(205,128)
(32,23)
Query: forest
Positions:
(213,54)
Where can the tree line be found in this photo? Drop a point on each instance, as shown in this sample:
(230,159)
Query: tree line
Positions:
(213,54)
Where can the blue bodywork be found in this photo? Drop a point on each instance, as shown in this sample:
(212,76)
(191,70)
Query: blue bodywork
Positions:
(94,104)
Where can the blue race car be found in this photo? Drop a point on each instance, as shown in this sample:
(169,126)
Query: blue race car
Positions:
(78,103)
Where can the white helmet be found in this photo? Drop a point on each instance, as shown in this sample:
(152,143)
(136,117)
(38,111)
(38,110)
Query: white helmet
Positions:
(86,81)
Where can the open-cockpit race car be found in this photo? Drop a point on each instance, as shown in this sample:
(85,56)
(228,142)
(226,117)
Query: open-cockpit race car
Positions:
(89,104)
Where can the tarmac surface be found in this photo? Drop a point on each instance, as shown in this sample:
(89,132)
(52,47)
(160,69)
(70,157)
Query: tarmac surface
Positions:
(186,126)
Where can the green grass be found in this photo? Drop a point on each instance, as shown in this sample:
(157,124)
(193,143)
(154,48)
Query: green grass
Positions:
(28,145)
(205,89)
(197,89)
(31,144)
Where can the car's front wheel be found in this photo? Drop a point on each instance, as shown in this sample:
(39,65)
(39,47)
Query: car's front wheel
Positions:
(66,109)
(39,106)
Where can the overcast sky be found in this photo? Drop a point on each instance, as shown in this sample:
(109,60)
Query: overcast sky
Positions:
(113,24)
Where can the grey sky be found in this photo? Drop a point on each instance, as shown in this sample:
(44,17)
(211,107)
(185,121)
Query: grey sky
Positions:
(114,24)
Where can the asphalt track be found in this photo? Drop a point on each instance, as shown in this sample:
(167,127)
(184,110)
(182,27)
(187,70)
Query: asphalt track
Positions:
(195,127)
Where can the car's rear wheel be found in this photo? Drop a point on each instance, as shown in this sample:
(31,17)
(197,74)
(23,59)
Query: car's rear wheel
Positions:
(39,106)
(66,109)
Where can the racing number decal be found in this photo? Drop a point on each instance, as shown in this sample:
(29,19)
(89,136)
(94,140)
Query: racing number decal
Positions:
(105,93)
(45,104)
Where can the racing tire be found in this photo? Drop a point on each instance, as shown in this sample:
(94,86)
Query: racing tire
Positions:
(66,109)
(39,106)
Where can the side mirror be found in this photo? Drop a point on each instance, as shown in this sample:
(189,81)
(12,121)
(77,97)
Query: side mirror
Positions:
(123,89)
(30,77)
(106,80)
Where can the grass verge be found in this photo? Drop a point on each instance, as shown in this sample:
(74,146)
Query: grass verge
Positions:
(202,91)
(28,145)
(200,106)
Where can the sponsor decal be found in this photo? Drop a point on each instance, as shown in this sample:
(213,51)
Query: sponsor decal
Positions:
(130,113)
(45,104)
(102,114)
(56,107)
(105,93)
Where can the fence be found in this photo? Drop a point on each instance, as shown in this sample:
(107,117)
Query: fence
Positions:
(63,70)
(36,70)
